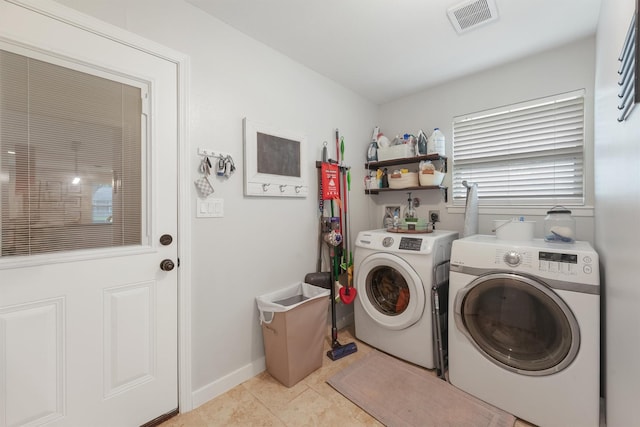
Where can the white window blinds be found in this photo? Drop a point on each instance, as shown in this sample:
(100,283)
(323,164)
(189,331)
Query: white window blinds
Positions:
(524,154)
(71,162)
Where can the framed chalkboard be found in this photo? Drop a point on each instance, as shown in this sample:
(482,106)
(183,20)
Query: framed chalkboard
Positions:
(274,161)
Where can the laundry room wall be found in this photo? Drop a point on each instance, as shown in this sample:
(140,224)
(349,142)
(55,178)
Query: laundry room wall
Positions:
(617,192)
(261,244)
(559,70)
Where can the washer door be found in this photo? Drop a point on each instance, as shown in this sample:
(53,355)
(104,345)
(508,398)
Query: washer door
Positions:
(390,291)
(518,323)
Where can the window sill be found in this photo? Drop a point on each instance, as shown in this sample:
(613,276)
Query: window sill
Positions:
(576,211)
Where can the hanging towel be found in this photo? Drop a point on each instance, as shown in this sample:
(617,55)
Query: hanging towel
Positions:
(471,212)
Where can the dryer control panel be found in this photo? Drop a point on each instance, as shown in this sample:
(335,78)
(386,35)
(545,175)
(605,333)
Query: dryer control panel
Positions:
(546,263)
(572,262)
(564,263)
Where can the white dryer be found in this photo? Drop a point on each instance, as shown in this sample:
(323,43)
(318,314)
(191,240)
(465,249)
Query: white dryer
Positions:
(524,328)
(394,273)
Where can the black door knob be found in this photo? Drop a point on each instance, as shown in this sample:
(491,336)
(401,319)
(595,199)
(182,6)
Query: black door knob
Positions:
(166,265)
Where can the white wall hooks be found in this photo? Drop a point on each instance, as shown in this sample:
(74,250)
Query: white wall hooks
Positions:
(212,153)
(223,163)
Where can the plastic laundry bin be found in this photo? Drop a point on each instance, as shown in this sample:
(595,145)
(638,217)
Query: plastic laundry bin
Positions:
(294,324)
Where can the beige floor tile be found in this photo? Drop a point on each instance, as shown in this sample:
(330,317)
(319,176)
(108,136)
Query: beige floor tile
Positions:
(271,393)
(264,401)
(522,423)
(237,407)
(305,410)
(190,419)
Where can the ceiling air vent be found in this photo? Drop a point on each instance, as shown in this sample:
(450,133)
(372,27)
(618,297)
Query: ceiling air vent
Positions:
(472,14)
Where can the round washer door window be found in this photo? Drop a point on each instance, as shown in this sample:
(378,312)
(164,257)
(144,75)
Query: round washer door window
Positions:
(390,291)
(518,323)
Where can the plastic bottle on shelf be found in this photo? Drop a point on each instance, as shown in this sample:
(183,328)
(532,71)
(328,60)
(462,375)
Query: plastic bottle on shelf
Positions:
(411,143)
(435,144)
(372,151)
(421,147)
(385,179)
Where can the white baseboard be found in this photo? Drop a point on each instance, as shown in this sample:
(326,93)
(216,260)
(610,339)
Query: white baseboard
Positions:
(226,383)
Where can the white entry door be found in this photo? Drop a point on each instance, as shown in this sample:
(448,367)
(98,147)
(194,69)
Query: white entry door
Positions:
(88,221)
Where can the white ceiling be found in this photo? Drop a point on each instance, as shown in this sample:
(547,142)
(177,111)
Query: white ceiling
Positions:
(387,49)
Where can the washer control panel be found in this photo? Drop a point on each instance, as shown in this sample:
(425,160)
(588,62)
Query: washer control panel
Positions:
(387,242)
(410,243)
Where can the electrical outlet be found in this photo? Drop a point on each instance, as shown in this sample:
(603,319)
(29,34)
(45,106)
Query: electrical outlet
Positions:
(434,216)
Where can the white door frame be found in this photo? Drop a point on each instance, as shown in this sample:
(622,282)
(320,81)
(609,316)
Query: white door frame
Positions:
(181,61)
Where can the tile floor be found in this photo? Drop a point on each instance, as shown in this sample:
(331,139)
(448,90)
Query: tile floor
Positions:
(263,401)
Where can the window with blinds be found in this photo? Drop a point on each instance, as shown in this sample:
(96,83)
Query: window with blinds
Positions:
(524,154)
(71,162)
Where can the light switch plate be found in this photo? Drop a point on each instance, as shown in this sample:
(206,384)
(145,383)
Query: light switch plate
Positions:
(209,208)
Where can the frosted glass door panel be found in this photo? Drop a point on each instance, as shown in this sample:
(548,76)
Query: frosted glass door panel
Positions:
(71,158)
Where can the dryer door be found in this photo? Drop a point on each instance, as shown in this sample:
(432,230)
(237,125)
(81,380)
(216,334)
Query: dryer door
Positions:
(390,291)
(518,323)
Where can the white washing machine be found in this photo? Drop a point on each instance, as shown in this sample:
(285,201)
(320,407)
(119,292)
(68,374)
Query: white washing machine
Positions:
(524,328)
(394,273)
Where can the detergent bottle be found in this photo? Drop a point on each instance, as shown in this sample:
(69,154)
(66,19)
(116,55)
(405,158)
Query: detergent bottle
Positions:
(435,144)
